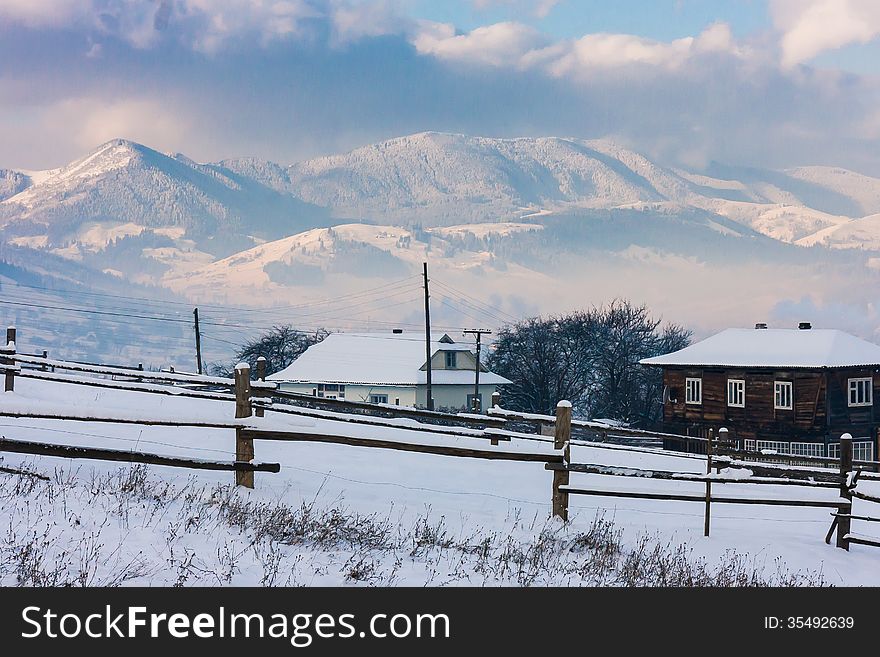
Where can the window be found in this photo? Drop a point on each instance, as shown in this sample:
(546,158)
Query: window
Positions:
(378,399)
(807,449)
(782,395)
(693,391)
(736,393)
(331,390)
(863,450)
(776,446)
(470,402)
(861,392)
(749,445)
(450,360)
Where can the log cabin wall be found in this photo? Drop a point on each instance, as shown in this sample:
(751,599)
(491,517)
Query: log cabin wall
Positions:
(819,404)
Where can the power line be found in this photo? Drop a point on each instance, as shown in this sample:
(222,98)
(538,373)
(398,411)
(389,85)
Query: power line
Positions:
(478,301)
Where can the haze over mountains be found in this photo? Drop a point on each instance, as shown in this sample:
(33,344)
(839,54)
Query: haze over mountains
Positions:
(506,218)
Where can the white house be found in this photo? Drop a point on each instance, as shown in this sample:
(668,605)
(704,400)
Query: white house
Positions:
(389,368)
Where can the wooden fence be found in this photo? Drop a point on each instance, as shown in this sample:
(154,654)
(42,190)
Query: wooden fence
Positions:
(253,398)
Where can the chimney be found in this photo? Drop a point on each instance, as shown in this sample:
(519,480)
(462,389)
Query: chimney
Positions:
(805,326)
(397,331)
(760,325)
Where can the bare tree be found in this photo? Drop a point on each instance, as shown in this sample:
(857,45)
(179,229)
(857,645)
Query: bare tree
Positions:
(280,347)
(590,358)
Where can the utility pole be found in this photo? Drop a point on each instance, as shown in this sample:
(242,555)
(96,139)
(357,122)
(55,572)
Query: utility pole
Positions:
(198,341)
(430,391)
(478,333)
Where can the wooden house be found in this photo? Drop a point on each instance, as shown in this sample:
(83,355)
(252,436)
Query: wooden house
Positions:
(790,390)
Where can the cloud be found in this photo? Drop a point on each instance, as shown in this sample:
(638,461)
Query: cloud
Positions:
(76,125)
(205,25)
(355,20)
(516,45)
(811,27)
(501,44)
(41,13)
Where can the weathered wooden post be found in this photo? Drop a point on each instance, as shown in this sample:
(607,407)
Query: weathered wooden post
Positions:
(45,357)
(723,445)
(261,376)
(244,447)
(844,511)
(496,399)
(10,362)
(562,440)
(709,446)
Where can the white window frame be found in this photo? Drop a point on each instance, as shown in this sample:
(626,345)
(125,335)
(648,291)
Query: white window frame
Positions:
(783,391)
(863,450)
(450,356)
(378,399)
(807,449)
(777,446)
(736,393)
(693,391)
(861,390)
(749,445)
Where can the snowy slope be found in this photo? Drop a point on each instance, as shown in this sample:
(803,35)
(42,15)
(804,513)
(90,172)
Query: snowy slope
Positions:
(350,255)
(862,190)
(438,177)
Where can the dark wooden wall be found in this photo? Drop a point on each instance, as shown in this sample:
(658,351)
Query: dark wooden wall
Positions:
(819,405)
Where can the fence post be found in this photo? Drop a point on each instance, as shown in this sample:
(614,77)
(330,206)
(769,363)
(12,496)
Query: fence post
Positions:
(244,447)
(561,440)
(845,508)
(723,445)
(46,357)
(496,399)
(9,362)
(709,446)
(261,376)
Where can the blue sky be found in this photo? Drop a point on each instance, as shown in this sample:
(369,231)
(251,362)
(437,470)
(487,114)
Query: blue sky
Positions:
(771,83)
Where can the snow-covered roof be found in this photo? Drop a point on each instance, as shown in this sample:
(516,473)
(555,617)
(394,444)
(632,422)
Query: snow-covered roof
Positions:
(779,348)
(378,359)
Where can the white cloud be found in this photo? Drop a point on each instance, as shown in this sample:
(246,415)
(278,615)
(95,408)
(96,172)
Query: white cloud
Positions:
(67,128)
(811,27)
(520,46)
(42,13)
(501,44)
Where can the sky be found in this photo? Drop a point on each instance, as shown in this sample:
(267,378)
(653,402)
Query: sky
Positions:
(765,83)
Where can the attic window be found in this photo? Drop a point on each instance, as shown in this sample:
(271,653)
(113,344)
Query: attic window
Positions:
(861,392)
(450,360)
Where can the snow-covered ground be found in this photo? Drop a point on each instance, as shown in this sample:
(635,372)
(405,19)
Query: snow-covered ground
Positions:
(470,500)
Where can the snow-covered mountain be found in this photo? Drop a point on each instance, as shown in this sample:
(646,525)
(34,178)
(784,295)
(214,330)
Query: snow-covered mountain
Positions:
(128,188)
(507,218)
(441,178)
(428,178)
